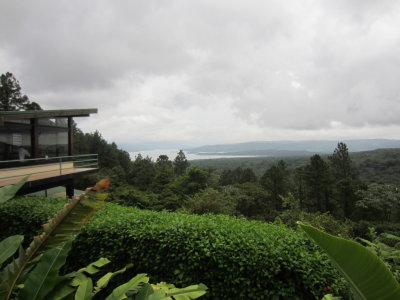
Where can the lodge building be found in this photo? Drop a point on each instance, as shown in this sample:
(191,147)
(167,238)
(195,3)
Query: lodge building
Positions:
(39,144)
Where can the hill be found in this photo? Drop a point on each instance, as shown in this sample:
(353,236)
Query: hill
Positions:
(381,165)
(293,148)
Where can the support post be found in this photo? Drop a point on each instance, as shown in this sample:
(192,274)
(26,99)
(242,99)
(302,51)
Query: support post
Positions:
(34,138)
(70,137)
(69,188)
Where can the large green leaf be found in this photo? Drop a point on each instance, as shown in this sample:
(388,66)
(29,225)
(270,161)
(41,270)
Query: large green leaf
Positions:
(7,192)
(64,225)
(9,246)
(103,281)
(85,288)
(61,291)
(187,293)
(368,276)
(44,277)
(165,291)
(146,292)
(132,286)
(93,268)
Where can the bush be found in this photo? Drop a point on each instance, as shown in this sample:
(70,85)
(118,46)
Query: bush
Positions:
(235,258)
(327,223)
(323,221)
(210,201)
(392,228)
(26,215)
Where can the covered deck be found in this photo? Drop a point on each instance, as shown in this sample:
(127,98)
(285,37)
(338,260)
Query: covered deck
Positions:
(46,138)
(44,173)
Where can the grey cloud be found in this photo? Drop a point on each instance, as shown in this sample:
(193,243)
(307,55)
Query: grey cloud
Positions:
(263,66)
(84,46)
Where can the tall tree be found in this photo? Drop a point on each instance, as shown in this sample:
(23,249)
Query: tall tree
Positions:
(247,175)
(164,173)
(346,180)
(11,98)
(142,172)
(180,163)
(318,181)
(299,185)
(238,175)
(276,181)
(194,180)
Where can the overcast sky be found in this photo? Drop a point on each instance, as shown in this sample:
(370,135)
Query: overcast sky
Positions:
(211,71)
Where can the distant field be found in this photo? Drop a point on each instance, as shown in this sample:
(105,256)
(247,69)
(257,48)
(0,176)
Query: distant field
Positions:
(382,165)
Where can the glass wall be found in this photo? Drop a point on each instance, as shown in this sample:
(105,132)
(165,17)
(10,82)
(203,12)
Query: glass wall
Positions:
(15,138)
(53,137)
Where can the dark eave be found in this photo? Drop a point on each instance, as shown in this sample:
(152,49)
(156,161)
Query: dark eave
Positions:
(35,114)
(46,183)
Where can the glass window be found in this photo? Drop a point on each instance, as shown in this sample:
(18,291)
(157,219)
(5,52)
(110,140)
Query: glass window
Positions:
(54,122)
(53,142)
(14,136)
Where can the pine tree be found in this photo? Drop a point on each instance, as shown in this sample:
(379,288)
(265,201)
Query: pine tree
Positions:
(276,181)
(318,181)
(11,98)
(346,180)
(164,173)
(180,163)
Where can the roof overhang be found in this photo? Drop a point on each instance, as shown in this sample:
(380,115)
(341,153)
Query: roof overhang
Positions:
(35,114)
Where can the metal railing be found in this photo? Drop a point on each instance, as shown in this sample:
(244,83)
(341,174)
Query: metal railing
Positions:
(18,168)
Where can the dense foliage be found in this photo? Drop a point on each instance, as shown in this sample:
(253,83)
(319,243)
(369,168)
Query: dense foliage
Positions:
(234,257)
(26,215)
(35,272)
(321,185)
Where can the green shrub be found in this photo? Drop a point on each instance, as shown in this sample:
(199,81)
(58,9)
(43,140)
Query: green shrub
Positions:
(235,258)
(26,215)
(128,195)
(392,228)
(361,229)
(322,221)
(210,201)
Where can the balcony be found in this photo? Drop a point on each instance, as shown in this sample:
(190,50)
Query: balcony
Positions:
(47,172)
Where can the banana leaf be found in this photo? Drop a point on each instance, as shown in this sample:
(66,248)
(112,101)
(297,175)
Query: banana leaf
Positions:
(64,225)
(132,286)
(187,293)
(93,268)
(9,246)
(44,277)
(85,288)
(147,293)
(104,280)
(7,192)
(368,276)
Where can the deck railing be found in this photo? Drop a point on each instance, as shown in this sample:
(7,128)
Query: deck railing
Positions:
(17,168)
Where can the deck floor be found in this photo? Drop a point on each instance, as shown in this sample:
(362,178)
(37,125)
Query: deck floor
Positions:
(13,175)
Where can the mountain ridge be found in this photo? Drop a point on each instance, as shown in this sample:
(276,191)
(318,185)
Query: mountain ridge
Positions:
(303,147)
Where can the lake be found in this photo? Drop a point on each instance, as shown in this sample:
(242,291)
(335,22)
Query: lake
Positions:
(171,153)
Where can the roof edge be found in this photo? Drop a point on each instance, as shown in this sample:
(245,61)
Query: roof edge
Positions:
(29,114)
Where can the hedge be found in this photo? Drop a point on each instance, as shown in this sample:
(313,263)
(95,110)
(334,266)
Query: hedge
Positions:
(25,215)
(235,258)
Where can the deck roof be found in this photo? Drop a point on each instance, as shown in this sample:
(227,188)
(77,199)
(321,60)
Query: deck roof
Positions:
(34,114)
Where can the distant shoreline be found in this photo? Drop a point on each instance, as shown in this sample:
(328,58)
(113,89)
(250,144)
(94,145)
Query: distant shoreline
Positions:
(171,153)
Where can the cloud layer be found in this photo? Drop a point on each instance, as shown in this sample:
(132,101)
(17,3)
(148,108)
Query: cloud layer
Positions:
(211,71)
